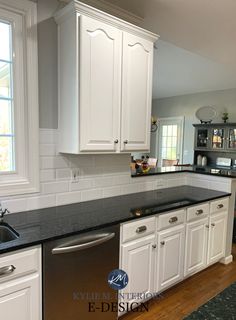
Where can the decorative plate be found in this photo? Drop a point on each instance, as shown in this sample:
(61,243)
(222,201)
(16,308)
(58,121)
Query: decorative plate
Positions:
(206,114)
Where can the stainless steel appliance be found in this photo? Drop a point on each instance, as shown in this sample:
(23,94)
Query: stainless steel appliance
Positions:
(76,270)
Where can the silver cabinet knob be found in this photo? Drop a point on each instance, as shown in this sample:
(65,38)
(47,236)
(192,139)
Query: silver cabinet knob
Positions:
(207,226)
(116,141)
(220,206)
(154,246)
(141,229)
(162,243)
(213,224)
(126,141)
(173,219)
(198,212)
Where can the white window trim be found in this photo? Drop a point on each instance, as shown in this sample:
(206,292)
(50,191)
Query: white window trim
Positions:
(170,120)
(26,119)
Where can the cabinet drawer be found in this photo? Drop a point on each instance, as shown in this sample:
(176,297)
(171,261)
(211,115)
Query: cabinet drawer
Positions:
(198,212)
(20,263)
(219,205)
(171,219)
(137,229)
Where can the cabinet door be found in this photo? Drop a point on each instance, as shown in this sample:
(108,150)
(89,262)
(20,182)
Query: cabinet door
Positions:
(202,138)
(231,139)
(100,85)
(171,256)
(218,138)
(217,237)
(138,261)
(136,93)
(20,299)
(196,246)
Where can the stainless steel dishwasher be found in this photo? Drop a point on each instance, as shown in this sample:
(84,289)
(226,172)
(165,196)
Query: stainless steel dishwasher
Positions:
(75,276)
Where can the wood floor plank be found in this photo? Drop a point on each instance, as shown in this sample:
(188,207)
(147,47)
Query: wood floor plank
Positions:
(187,296)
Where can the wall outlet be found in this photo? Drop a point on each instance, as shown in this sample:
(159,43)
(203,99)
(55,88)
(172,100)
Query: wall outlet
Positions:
(75,175)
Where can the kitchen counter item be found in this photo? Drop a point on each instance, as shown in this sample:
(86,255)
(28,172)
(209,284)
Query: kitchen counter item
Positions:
(38,226)
(76,273)
(224,162)
(204,161)
(199,160)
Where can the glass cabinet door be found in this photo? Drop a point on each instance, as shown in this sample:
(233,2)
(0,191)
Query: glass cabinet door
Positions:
(218,138)
(231,141)
(202,138)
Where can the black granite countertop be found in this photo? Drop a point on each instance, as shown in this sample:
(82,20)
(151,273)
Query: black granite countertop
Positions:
(228,172)
(38,226)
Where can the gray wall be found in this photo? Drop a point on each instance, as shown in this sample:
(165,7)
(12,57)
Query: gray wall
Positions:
(187,105)
(47,58)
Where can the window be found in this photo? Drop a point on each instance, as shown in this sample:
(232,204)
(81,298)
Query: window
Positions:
(18,98)
(170,141)
(7,157)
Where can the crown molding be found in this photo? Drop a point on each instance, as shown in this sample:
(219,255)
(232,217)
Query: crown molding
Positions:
(112,9)
(82,8)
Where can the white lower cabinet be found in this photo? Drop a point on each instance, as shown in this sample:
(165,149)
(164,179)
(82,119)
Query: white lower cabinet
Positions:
(217,237)
(186,242)
(196,246)
(171,256)
(19,299)
(20,285)
(138,258)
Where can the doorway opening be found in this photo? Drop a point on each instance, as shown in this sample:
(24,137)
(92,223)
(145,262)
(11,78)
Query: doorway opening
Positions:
(170,141)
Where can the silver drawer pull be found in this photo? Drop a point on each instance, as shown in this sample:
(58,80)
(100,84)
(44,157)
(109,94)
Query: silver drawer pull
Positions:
(141,229)
(220,206)
(198,212)
(173,220)
(4,271)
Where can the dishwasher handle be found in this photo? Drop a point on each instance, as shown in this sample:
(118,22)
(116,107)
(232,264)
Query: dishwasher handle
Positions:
(99,239)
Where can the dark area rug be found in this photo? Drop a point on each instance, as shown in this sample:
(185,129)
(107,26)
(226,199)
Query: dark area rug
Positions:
(222,306)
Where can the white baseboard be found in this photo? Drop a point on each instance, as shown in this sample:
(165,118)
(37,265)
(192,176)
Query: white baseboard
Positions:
(227,260)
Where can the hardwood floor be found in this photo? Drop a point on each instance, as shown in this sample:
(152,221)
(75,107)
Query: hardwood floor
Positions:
(184,298)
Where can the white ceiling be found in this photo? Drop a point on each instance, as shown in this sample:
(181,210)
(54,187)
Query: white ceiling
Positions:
(206,29)
(178,72)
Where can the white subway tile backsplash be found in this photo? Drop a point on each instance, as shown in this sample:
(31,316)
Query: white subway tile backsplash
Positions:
(15,205)
(77,161)
(41,202)
(111,191)
(131,188)
(63,174)
(104,182)
(47,175)
(115,170)
(112,160)
(53,162)
(97,176)
(67,198)
(92,194)
(90,171)
(55,187)
(48,136)
(81,184)
(47,149)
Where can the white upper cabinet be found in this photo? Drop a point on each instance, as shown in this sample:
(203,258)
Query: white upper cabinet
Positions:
(105,81)
(100,85)
(136,93)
